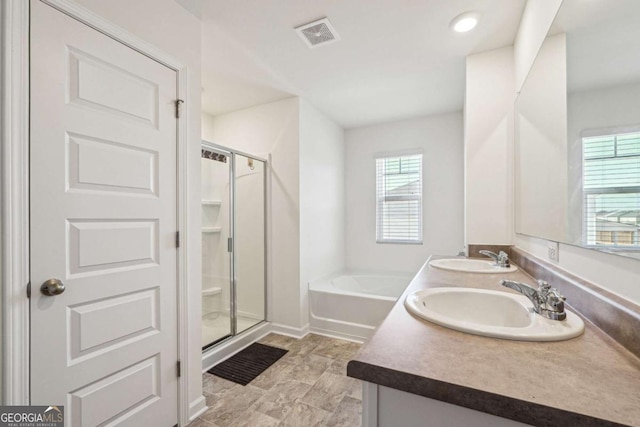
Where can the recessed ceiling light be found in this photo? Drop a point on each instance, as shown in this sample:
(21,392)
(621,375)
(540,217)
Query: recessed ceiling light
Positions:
(465,22)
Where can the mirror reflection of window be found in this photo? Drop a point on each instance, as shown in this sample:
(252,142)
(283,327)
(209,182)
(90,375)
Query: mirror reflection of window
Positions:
(611,190)
(577,169)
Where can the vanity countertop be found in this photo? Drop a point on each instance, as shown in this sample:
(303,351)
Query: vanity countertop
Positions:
(590,380)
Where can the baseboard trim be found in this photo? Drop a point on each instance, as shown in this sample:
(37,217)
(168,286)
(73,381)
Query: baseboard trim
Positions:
(290,331)
(337,335)
(197,408)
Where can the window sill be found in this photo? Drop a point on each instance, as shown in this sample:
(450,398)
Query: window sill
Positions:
(400,242)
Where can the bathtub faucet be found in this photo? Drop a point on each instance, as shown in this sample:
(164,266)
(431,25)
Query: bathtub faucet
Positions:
(501,259)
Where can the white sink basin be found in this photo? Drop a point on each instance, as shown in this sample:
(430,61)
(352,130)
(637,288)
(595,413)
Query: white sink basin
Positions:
(490,313)
(470,265)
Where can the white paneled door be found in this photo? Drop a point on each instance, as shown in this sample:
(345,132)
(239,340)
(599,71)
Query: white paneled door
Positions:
(103,225)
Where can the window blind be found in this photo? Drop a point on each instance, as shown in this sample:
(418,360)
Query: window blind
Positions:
(611,190)
(399,199)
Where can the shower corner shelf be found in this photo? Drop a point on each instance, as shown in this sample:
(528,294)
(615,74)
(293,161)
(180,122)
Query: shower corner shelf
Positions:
(211,229)
(211,203)
(215,290)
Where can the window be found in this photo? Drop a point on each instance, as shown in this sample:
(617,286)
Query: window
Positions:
(611,190)
(399,199)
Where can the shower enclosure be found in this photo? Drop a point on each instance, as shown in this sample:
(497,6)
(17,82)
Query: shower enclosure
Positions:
(233,243)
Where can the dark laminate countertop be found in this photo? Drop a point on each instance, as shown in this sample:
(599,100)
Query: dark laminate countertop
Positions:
(590,380)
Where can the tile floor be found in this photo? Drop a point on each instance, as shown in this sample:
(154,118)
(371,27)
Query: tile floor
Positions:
(307,387)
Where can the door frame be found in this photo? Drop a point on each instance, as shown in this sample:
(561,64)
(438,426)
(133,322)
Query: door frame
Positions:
(14,158)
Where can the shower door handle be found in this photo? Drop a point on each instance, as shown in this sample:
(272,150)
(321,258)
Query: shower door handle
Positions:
(229,244)
(52,287)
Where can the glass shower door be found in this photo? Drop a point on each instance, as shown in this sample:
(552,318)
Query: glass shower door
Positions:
(217,293)
(249,242)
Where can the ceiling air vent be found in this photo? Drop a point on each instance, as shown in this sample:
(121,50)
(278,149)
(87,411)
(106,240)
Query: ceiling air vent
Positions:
(318,33)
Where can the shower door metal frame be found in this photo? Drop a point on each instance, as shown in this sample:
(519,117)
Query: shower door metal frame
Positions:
(219,150)
(231,247)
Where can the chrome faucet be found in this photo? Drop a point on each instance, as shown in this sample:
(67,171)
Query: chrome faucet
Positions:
(501,259)
(547,301)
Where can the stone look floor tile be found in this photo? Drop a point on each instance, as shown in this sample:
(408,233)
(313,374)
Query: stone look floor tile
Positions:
(298,351)
(231,406)
(215,397)
(305,415)
(198,422)
(311,368)
(276,340)
(332,349)
(254,419)
(278,401)
(318,339)
(351,350)
(328,391)
(356,389)
(348,413)
(338,367)
(277,373)
(307,387)
(216,385)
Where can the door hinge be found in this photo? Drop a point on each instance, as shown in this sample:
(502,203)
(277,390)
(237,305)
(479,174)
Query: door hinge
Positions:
(177,239)
(179,368)
(29,290)
(179,103)
(229,244)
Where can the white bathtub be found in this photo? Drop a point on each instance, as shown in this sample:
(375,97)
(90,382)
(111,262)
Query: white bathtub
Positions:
(352,305)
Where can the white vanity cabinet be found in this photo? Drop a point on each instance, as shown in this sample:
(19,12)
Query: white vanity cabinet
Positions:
(386,407)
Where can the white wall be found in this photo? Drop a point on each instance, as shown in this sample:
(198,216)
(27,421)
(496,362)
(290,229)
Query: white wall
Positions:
(618,274)
(488,145)
(441,139)
(534,25)
(167,25)
(272,128)
(307,202)
(322,201)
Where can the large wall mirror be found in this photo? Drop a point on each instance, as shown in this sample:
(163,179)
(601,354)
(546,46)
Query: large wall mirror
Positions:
(578,130)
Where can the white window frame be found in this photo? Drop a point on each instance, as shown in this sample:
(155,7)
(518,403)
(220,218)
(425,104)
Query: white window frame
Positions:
(586,228)
(419,197)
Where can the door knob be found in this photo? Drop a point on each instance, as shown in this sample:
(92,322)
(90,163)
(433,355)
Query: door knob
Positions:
(52,287)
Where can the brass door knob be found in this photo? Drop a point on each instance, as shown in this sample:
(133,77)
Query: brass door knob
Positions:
(52,287)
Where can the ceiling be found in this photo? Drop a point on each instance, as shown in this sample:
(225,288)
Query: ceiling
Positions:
(396,58)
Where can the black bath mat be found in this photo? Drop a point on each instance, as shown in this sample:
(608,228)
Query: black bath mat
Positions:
(245,366)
